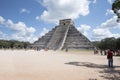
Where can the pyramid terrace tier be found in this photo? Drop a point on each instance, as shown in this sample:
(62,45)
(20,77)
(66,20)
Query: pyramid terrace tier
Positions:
(63,36)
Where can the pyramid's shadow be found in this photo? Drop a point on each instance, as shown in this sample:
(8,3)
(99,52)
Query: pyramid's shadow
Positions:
(106,73)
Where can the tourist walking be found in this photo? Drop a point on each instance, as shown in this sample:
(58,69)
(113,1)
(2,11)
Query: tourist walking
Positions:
(101,52)
(110,58)
(66,49)
(95,50)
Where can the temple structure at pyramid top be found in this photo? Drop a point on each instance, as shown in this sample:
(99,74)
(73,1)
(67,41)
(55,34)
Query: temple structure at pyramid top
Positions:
(63,36)
(66,22)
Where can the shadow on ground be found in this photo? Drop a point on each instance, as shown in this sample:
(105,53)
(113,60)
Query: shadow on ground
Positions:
(105,72)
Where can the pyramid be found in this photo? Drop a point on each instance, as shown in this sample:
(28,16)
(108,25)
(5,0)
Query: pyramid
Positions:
(63,36)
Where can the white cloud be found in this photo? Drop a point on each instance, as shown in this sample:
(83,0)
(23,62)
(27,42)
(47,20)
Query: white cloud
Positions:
(37,18)
(100,33)
(20,26)
(23,10)
(84,28)
(3,36)
(20,31)
(94,1)
(109,12)
(44,32)
(119,11)
(61,9)
(2,20)
(111,23)
(104,30)
(110,1)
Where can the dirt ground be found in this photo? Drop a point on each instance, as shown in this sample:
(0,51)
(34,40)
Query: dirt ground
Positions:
(56,65)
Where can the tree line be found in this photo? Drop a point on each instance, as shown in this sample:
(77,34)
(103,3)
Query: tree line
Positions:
(11,44)
(108,43)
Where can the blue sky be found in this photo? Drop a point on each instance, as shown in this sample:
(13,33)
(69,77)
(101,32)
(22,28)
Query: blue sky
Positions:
(28,20)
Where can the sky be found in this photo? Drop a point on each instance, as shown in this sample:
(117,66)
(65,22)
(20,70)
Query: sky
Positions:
(28,20)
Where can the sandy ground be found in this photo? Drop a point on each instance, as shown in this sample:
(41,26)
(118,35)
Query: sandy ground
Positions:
(56,65)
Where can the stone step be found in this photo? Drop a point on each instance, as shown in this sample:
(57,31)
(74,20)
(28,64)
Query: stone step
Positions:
(76,39)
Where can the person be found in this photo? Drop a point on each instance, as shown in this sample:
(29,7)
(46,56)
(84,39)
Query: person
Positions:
(95,50)
(101,52)
(66,49)
(110,58)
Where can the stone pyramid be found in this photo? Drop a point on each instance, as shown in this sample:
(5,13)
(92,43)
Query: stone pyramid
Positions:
(63,36)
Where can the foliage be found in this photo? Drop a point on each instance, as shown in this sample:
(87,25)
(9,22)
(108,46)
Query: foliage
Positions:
(116,8)
(118,43)
(108,43)
(13,44)
(96,43)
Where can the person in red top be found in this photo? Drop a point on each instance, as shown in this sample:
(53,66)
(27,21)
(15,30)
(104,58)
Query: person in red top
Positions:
(110,58)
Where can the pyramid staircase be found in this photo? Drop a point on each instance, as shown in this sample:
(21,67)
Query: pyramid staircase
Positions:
(57,37)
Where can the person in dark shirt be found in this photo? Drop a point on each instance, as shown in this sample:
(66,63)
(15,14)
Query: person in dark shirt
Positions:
(110,58)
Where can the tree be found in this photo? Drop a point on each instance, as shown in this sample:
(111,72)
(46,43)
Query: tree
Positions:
(96,44)
(26,44)
(13,44)
(108,43)
(116,9)
(118,43)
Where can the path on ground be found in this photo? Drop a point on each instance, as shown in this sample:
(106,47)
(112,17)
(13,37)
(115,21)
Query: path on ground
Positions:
(56,65)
